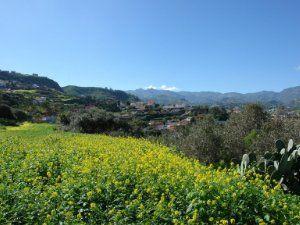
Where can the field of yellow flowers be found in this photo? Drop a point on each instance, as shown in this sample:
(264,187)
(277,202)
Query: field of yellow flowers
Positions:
(51,177)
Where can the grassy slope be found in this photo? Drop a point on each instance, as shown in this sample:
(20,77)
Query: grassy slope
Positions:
(27,130)
(50,176)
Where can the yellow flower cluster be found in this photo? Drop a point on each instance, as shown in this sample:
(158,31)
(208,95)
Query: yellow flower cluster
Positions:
(53,177)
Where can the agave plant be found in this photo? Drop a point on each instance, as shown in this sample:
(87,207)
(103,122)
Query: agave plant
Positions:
(282,165)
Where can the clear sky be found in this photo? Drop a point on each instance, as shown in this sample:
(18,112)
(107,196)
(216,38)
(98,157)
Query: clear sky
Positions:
(195,45)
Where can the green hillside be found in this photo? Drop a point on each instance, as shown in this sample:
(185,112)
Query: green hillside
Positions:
(40,97)
(15,80)
(99,93)
(18,81)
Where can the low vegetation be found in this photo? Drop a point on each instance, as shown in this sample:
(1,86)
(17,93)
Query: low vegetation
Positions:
(54,177)
(252,130)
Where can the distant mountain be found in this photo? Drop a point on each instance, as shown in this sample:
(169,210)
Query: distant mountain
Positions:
(99,93)
(160,96)
(288,97)
(15,80)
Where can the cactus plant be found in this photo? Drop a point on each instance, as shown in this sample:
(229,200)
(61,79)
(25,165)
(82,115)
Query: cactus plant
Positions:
(282,165)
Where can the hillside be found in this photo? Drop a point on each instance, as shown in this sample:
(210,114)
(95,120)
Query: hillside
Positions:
(40,97)
(287,97)
(15,80)
(99,93)
(51,177)
(19,81)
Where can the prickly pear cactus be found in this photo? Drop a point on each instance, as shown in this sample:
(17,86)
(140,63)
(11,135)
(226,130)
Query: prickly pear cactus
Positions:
(283,165)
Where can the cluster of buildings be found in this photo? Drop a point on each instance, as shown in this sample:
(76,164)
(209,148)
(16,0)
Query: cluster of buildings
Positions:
(39,100)
(284,113)
(13,84)
(166,117)
(141,106)
(169,124)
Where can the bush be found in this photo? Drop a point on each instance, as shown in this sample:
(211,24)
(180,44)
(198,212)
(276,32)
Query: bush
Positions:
(6,122)
(20,115)
(201,140)
(238,128)
(93,121)
(6,112)
(219,113)
(97,120)
(66,178)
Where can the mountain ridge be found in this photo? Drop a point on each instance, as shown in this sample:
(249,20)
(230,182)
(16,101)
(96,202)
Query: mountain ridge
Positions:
(289,97)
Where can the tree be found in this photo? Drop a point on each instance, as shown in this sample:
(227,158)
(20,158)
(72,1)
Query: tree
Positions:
(219,113)
(6,112)
(241,127)
(20,115)
(201,140)
(196,110)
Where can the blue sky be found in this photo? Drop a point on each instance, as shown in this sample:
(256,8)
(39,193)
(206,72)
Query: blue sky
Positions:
(194,45)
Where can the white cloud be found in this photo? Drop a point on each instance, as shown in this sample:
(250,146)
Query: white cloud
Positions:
(167,88)
(151,87)
(297,68)
(162,87)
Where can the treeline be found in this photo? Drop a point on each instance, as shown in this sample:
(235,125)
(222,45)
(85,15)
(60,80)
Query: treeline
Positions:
(252,130)
(95,120)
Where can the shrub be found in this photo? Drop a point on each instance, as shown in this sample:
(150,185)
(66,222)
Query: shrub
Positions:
(219,113)
(20,115)
(201,140)
(97,120)
(93,121)
(6,112)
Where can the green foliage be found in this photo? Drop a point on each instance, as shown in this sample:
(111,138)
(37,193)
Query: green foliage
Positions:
(20,115)
(94,120)
(219,113)
(6,112)
(282,165)
(99,93)
(210,141)
(9,116)
(202,140)
(64,178)
(196,110)
(250,138)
